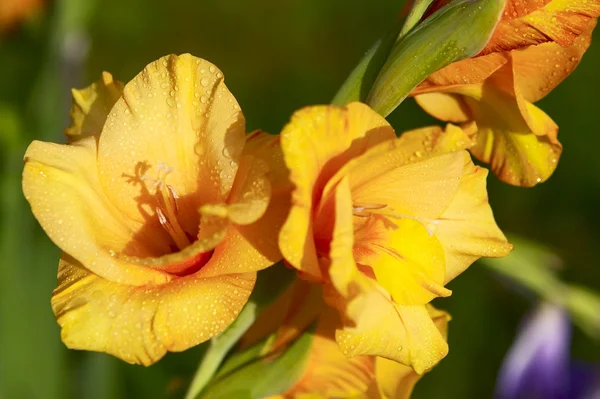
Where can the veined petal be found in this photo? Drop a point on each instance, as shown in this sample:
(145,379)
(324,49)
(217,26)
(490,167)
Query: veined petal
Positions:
(408,187)
(539,69)
(62,186)
(184,100)
(407,261)
(91,107)
(532,22)
(316,143)
(140,324)
(467,229)
(397,381)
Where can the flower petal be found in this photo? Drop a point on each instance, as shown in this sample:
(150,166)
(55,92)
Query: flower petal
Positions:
(140,324)
(532,22)
(397,381)
(407,261)
(91,107)
(374,324)
(316,143)
(515,137)
(184,100)
(539,69)
(466,229)
(396,179)
(405,334)
(62,186)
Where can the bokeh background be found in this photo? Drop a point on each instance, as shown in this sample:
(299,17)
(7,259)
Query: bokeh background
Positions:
(277,56)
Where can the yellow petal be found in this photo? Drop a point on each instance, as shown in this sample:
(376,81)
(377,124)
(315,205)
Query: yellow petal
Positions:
(91,107)
(397,381)
(467,230)
(406,186)
(61,184)
(407,261)
(405,334)
(177,118)
(316,143)
(140,324)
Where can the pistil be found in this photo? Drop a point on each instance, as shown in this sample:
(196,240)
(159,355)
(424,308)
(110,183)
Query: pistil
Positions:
(366,210)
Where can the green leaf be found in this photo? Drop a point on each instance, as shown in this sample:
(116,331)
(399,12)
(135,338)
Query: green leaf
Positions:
(455,32)
(534,267)
(265,376)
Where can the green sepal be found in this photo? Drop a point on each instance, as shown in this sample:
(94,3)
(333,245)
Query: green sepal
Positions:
(457,31)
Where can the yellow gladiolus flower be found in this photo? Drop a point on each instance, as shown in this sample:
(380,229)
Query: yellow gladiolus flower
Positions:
(535,46)
(157,204)
(384,224)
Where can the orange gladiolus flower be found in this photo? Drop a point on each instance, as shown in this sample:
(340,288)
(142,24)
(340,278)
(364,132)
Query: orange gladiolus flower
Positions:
(384,224)
(156,204)
(535,46)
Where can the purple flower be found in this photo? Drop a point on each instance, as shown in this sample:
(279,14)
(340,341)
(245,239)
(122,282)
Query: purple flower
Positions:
(538,364)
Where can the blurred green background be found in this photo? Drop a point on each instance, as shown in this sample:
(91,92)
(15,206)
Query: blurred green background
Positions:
(277,56)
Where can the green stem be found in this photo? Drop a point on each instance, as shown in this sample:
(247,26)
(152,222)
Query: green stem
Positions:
(218,349)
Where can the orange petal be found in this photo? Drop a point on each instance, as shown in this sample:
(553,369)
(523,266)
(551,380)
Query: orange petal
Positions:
(177,113)
(539,69)
(140,324)
(467,230)
(316,143)
(532,22)
(91,107)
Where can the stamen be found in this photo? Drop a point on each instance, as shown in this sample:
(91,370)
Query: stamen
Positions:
(366,210)
(167,208)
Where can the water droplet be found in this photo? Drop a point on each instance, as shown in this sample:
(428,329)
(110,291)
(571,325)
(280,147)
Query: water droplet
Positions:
(212,69)
(205,82)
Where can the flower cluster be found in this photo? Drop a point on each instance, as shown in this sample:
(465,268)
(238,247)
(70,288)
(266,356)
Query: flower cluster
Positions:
(165,209)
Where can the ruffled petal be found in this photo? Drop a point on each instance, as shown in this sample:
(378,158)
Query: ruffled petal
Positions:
(140,324)
(182,100)
(467,229)
(62,186)
(91,107)
(316,143)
